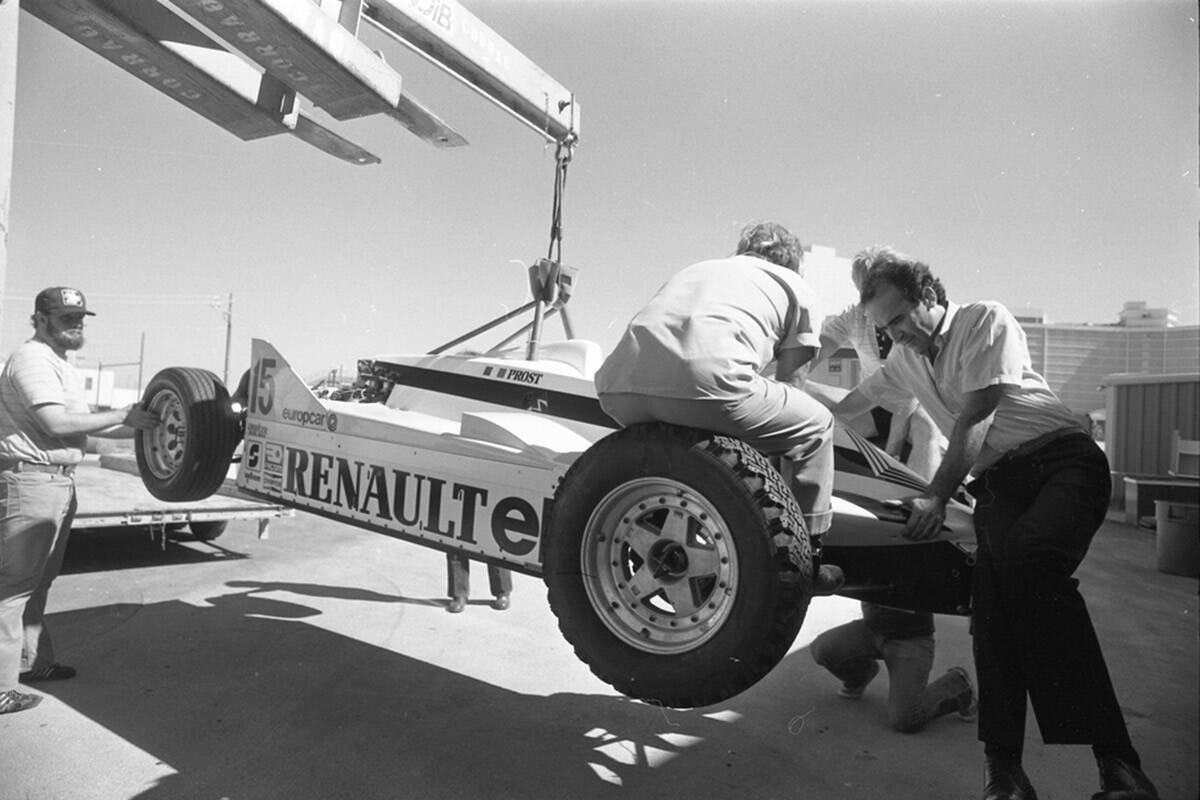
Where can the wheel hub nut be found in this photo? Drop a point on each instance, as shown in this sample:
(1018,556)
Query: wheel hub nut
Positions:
(667,560)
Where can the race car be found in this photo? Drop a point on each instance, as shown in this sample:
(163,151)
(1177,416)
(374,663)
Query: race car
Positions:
(676,560)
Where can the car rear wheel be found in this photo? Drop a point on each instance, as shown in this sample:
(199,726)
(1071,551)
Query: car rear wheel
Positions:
(677,564)
(186,456)
(207,531)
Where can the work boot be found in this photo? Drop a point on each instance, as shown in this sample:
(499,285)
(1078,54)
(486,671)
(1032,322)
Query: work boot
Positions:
(828,579)
(1120,780)
(1005,780)
(964,702)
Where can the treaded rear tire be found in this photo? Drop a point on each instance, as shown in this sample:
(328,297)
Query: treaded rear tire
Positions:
(187,456)
(677,564)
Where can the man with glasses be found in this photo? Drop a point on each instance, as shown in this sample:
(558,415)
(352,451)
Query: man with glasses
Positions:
(1041,487)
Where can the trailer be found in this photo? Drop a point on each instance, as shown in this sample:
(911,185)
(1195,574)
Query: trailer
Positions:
(112,495)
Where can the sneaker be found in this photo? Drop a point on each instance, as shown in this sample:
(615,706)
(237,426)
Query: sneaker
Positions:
(853,691)
(53,672)
(968,699)
(13,701)
(828,579)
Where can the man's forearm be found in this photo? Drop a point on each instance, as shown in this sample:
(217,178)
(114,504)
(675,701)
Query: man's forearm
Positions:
(114,432)
(68,424)
(792,365)
(854,404)
(966,441)
(57,421)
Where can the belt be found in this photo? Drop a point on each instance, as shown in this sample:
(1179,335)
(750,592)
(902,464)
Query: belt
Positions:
(28,466)
(1033,445)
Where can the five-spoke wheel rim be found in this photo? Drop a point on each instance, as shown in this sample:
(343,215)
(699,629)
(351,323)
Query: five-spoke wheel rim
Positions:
(659,565)
(164,444)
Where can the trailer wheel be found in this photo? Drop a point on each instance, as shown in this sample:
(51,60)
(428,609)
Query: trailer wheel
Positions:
(207,531)
(188,455)
(677,564)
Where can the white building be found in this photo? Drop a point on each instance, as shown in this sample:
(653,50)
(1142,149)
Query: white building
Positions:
(100,391)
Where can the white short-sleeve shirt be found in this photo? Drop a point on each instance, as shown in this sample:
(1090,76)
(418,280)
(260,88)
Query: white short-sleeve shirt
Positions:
(33,376)
(980,345)
(711,330)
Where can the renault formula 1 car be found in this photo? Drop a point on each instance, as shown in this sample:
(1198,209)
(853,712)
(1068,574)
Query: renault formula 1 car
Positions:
(676,560)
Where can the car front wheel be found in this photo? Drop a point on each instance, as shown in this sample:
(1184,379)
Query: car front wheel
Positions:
(677,564)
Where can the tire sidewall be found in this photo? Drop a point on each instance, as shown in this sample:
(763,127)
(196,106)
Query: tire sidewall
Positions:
(681,455)
(211,437)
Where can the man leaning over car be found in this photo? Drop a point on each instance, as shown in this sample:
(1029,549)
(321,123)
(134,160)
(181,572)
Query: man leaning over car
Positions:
(1041,489)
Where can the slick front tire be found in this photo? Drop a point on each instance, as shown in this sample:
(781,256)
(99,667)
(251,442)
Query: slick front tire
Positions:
(677,564)
(186,456)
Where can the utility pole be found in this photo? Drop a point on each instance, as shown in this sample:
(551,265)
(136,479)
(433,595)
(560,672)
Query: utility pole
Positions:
(228,334)
(100,365)
(10,12)
(141,361)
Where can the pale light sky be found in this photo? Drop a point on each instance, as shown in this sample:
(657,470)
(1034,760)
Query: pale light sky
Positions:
(1043,154)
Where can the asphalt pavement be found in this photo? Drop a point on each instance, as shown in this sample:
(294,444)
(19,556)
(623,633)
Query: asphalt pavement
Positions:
(321,663)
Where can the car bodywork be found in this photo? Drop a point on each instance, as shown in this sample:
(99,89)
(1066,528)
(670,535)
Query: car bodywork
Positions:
(465,452)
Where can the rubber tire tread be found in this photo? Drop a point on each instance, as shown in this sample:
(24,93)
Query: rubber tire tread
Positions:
(212,435)
(674,680)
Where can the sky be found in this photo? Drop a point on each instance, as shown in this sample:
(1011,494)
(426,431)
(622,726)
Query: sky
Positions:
(1042,154)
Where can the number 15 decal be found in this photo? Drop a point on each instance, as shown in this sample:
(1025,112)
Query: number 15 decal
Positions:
(262,386)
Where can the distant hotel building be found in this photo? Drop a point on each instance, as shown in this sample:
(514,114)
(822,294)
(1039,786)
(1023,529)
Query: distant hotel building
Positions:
(1075,359)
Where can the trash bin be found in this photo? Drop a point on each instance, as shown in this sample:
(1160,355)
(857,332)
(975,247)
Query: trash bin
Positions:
(1178,538)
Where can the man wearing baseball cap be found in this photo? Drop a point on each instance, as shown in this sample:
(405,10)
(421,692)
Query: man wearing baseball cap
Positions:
(44,426)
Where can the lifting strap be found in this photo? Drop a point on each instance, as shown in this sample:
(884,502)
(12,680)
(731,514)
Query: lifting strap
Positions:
(562,157)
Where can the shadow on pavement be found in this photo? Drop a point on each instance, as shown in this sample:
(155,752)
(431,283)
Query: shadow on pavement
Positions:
(245,698)
(128,547)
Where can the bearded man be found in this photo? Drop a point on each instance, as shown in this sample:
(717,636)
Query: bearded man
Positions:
(44,426)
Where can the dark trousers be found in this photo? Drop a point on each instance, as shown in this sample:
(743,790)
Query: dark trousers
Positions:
(1035,517)
(458,580)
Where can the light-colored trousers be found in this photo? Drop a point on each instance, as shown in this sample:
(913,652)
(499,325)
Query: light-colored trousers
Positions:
(849,650)
(775,418)
(36,510)
(458,577)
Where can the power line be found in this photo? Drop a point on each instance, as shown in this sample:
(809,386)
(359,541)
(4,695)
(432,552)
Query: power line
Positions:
(138,299)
